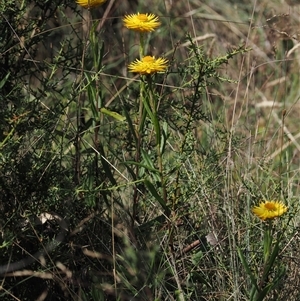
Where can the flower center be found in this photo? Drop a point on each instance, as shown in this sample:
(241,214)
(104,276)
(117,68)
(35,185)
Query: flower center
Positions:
(143,17)
(148,59)
(270,206)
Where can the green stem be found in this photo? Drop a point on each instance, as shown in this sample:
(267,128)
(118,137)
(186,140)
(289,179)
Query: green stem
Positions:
(142,45)
(156,124)
(139,127)
(267,241)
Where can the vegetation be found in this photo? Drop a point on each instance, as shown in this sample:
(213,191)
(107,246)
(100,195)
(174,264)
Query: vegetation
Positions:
(156,175)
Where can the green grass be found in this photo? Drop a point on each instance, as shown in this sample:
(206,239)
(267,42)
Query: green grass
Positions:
(144,197)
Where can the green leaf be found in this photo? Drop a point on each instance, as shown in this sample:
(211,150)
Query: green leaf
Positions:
(155,194)
(3,81)
(164,137)
(248,271)
(127,163)
(92,95)
(112,114)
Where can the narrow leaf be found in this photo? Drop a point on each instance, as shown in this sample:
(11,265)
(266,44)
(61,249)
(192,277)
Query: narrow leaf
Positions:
(112,114)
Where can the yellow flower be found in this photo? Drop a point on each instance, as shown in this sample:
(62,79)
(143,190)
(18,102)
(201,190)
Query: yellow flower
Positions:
(141,22)
(148,65)
(90,3)
(269,209)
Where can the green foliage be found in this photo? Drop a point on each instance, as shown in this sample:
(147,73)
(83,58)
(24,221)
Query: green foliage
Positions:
(155,175)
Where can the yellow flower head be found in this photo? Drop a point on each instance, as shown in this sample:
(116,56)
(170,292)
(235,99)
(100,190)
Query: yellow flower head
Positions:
(90,3)
(141,22)
(148,65)
(269,209)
